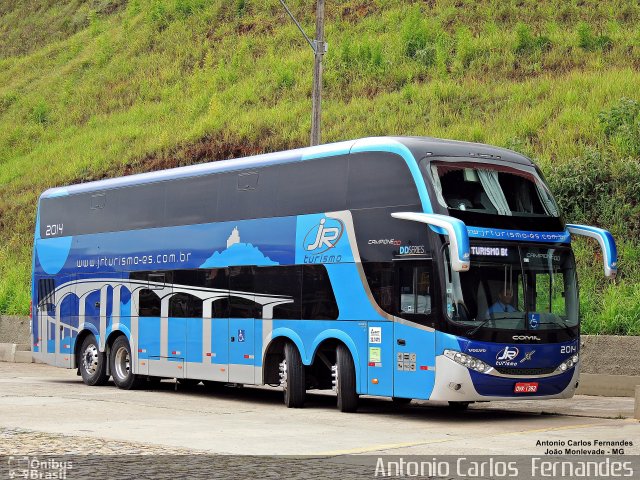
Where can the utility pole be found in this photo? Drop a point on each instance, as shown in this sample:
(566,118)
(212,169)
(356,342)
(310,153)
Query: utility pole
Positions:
(319,48)
(316,105)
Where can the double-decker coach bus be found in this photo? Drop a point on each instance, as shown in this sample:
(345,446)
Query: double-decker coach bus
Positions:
(411,268)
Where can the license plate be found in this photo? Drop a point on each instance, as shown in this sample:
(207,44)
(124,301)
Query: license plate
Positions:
(526,387)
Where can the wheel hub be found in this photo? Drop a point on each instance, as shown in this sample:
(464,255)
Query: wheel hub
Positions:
(90,359)
(283,373)
(334,378)
(122,364)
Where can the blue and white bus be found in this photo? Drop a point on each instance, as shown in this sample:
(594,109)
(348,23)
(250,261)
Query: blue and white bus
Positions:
(410,268)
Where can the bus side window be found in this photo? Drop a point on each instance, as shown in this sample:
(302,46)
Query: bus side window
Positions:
(402,289)
(241,297)
(218,278)
(380,179)
(415,290)
(381,277)
(286,283)
(183,305)
(149,303)
(318,300)
(318,186)
(220,308)
(47,295)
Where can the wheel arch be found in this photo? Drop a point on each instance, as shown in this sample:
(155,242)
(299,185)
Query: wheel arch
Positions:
(114,334)
(327,337)
(275,349)
(79,340)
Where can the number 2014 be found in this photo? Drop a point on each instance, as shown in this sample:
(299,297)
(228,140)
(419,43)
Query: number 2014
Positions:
(568,349)
(53,230)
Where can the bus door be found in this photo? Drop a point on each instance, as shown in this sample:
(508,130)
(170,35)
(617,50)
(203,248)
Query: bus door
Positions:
(243,310)
(414,346)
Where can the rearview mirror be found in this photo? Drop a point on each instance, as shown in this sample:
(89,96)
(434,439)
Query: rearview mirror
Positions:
(607,245)
(454,228)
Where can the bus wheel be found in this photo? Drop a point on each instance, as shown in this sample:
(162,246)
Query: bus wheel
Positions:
(121,365)
(292,377)
(459,406)
(344,380)
(92,363)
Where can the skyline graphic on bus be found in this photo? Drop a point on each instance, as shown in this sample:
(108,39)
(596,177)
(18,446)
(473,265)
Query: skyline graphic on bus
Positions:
(237,253)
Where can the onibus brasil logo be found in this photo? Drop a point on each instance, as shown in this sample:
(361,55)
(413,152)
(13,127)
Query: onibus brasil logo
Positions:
(321,239)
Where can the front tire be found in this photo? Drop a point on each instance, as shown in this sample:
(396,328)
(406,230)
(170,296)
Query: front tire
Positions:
(122,365)
(292,377)
(92,363)
(345,381)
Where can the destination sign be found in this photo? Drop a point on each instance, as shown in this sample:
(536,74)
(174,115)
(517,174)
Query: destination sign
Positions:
(490,251)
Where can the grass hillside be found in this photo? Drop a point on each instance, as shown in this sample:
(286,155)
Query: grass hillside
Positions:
(101,88)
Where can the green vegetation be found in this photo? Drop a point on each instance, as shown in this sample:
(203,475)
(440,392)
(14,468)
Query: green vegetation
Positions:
(90,89)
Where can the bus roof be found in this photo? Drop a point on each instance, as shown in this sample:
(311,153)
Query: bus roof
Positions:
(419,147)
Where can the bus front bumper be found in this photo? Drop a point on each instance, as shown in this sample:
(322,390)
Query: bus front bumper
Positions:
(456,383)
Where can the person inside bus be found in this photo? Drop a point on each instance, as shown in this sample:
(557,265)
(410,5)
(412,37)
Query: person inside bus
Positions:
(503,305)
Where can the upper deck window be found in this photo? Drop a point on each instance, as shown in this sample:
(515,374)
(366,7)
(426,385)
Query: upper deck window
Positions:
(491,189)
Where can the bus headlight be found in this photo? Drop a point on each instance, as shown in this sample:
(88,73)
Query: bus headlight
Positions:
(568,363)
(467,361)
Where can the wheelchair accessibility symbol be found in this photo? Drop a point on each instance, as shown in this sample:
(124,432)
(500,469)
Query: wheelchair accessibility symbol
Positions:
(534,321)
(240,335)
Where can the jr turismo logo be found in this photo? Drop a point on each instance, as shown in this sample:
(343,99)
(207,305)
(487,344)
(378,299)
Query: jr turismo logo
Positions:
(507,355)
(323,236)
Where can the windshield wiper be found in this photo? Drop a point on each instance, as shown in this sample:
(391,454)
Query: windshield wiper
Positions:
(475,329)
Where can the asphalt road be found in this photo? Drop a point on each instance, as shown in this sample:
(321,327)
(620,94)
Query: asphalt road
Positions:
(46,410)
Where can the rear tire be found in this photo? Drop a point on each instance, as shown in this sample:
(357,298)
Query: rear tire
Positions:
(346,380)
(292,377)
(121,365)
(92,363)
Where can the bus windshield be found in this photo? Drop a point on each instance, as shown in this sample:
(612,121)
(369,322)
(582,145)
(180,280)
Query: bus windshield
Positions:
(491,189)
(515,288)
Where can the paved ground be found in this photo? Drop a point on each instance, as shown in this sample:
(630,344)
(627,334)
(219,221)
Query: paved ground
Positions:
(46,410)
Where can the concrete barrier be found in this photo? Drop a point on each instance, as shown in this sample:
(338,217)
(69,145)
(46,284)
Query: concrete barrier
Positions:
(610,355)
(14,329)
(610,365)
(15,339)
(15,353)
(608,385)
